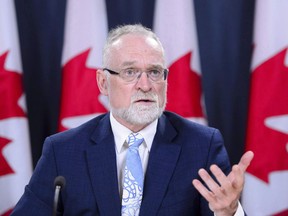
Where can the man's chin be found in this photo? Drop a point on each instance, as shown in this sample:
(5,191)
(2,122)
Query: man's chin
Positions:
(142,115)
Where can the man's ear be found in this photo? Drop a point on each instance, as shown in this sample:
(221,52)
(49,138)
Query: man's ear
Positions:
(102,81)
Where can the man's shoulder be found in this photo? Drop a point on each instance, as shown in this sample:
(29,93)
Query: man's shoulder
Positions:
(182,124)
(177,119)
(81,131)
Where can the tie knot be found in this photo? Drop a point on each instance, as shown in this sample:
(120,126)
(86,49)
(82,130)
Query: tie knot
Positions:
(134,140)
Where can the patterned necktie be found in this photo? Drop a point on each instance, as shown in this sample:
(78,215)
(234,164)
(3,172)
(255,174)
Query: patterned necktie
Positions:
(133,177)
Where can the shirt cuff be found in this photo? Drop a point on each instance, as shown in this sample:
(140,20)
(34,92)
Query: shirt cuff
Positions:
(239,212)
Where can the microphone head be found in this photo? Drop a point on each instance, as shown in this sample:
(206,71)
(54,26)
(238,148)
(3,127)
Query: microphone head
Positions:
(59,181)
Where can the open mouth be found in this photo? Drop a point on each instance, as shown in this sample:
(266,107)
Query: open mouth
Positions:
(144,101)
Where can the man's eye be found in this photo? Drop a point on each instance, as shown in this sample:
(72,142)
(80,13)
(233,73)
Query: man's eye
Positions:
(129,72)
(155,73)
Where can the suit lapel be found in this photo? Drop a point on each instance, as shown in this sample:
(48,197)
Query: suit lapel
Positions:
(162,161)
(101,160)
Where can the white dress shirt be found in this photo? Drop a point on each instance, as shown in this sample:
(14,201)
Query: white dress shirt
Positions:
(120,135)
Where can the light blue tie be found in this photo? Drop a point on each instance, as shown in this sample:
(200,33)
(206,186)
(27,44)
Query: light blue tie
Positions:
(133,177)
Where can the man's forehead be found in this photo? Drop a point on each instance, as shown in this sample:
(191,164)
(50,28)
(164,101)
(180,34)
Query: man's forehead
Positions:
(131,47)
(135,38)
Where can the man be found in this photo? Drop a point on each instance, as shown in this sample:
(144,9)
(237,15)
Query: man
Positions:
(101,166)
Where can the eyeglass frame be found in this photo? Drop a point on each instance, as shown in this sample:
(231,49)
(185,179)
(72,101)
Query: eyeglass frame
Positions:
(165,74)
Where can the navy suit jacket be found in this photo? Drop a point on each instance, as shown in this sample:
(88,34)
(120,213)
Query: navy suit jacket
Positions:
(86,157)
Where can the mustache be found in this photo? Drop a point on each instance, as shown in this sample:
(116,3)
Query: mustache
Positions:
(144,96)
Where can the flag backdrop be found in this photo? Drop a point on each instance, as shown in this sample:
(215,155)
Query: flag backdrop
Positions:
(224,31)
(224,36)
(41,29)
(182,56)
(85,34)
(266,190)
(15,155)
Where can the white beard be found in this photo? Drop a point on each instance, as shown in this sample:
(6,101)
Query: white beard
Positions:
(138,114)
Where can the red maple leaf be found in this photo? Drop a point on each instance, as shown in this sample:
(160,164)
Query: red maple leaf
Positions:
(283,213)
(5,169)
(184,89)
(10,91)
(7,213)
(268,98)
(79,89)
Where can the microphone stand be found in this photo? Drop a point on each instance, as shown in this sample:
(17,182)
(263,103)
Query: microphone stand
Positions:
(59,183)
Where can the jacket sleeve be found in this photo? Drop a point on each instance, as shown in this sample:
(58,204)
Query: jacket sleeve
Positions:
(217,154)
(39,193)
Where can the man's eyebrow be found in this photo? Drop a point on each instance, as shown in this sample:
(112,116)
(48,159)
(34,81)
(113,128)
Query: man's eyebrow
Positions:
(156,66)
(150,66)
(128,63)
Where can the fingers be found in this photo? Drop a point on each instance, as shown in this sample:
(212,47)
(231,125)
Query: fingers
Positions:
(225,183)
(209,196)
(212,185)
(236,176)
(216,190)
(224,192)
(246,160)
(219,196)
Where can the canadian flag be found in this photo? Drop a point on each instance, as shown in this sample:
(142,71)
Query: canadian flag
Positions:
(85,34)
(175,25)
(266,188)
(15,154)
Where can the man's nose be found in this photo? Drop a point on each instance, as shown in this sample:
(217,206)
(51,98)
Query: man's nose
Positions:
(143,82)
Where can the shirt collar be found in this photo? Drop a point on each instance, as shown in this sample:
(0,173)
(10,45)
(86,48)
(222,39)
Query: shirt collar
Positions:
(121,133)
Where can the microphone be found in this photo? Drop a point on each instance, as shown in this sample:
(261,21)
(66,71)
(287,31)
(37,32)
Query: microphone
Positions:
(59,183)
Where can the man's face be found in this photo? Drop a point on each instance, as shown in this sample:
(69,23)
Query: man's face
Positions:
(135,104)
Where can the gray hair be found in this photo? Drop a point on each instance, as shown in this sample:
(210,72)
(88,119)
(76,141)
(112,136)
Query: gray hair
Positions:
(119,31)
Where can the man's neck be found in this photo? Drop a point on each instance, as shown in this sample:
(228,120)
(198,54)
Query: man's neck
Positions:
(133,127)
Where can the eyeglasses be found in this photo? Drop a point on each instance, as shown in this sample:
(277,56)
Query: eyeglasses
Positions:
(132,74)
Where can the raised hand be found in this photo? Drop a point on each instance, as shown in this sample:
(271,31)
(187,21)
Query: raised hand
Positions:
(223,197)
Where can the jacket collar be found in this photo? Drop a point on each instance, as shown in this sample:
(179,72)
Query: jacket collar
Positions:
(101,160)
